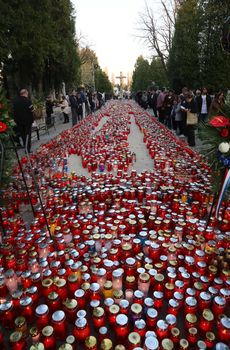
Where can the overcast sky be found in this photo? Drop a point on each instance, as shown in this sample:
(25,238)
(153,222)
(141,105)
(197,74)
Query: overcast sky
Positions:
(109,28)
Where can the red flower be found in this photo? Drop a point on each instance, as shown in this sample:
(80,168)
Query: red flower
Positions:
(3,127)
(219,121)
(224,133)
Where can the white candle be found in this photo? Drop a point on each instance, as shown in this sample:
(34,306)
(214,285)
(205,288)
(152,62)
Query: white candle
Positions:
(129,295)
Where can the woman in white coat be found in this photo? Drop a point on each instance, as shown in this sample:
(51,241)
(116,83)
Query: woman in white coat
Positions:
(65,109)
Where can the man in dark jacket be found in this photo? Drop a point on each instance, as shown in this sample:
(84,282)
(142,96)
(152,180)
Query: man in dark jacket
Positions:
(203,102)
(74,106)
(23,116)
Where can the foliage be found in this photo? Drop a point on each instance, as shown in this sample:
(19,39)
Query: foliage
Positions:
(8,122)
(214,62)
(183,64)
(141,75)
(38,37)
(88,63)
(102,82)
(157,72)
(212,136)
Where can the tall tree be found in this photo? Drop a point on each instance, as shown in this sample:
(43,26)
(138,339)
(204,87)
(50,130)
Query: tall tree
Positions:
(40,48)
(141,76)
(183,63)
(214,62)
(157,73)
(102,82)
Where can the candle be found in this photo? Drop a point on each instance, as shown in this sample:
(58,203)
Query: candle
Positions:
(144,283)
(117,279)
(134,340)
(81,329)
(98,317)
(121,326)
(59,324)
(42,314)
(151,343)
(48,338)
(91,343)
(11,281)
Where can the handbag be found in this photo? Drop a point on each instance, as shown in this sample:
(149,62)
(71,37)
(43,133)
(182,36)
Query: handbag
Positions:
(192,118)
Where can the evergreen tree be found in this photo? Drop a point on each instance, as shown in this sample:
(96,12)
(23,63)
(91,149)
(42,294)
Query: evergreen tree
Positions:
(183,64)
(214,62)
(157,72)
(141,76)
(102,82)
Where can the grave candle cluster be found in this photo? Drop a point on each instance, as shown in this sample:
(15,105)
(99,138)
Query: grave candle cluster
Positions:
(131,262)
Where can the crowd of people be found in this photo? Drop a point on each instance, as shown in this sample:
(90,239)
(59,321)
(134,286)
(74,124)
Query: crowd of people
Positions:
(172,109)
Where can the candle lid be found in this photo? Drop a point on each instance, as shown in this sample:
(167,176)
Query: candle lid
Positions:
(158,295)
(37,346)
(220,300)
(60,282)
(124,303)
(159,277)
(109,301)
(114,309)
(79,293)
(149,302)
(138,294)
(58,316)
(210,336)
(70,303)
(119,347)
(25,301)
(221,346)
(90,341)
(65,346)
(140,324)
(134,338)
(193,331)
(130,279)
(121,320)
(70,339)
(136,308)
(201,344)
(225,321)
(20,321)
(94,287)
(53,296)
(34,331)
(117,294)
(208,315)
(191,318)
(85,286)
(205,296)
(184,344)
(98,312)
(15,337)
(108,285)
(117,273)
(144,277)
(80,322)
(175,332)
(152,313)
(106,344)
(41,309)
(130,261)
(81,314)
(191,301)
(171,319)
(72,277)
(167,344)
(47,331)
(161,324)
(152,343)
(103,330)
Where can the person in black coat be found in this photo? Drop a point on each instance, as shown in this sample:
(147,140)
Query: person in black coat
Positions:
(23,116)
(73,106)
(49,109)
(189,104)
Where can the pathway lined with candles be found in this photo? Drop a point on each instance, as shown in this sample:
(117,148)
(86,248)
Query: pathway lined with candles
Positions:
(128,251)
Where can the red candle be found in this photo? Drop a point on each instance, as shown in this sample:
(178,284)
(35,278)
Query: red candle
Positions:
(17,342)
(151,318)
(206,321)
(223,329)
(162,329)
(190,321)
(70,308)
(192,336)
(140,327)
(204,300)
(53,302)
(47,287)
(173,307)
(103,333)
(121,326)
(112,314)
(59,324)
(42,314)
(190,305)
(134,340)
(48,338)
(7,314)
(98,317)
(81,329)
(27,308)
(219,305)
(80,298)
(210,340)
(91,343)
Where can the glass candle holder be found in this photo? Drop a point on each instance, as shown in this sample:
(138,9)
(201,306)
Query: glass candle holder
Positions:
(151,343)
(21,325)
(91,343)
(117,279)
(81,329)
(17,342)
(48,338)
(134,340)
(42,315)
(121,326)
(98,317)
(59,324)
(144,283)
(206,321)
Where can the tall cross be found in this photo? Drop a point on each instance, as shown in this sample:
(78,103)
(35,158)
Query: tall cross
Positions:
(121,77)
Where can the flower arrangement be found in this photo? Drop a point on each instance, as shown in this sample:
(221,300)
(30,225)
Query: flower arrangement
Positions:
(215,135)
